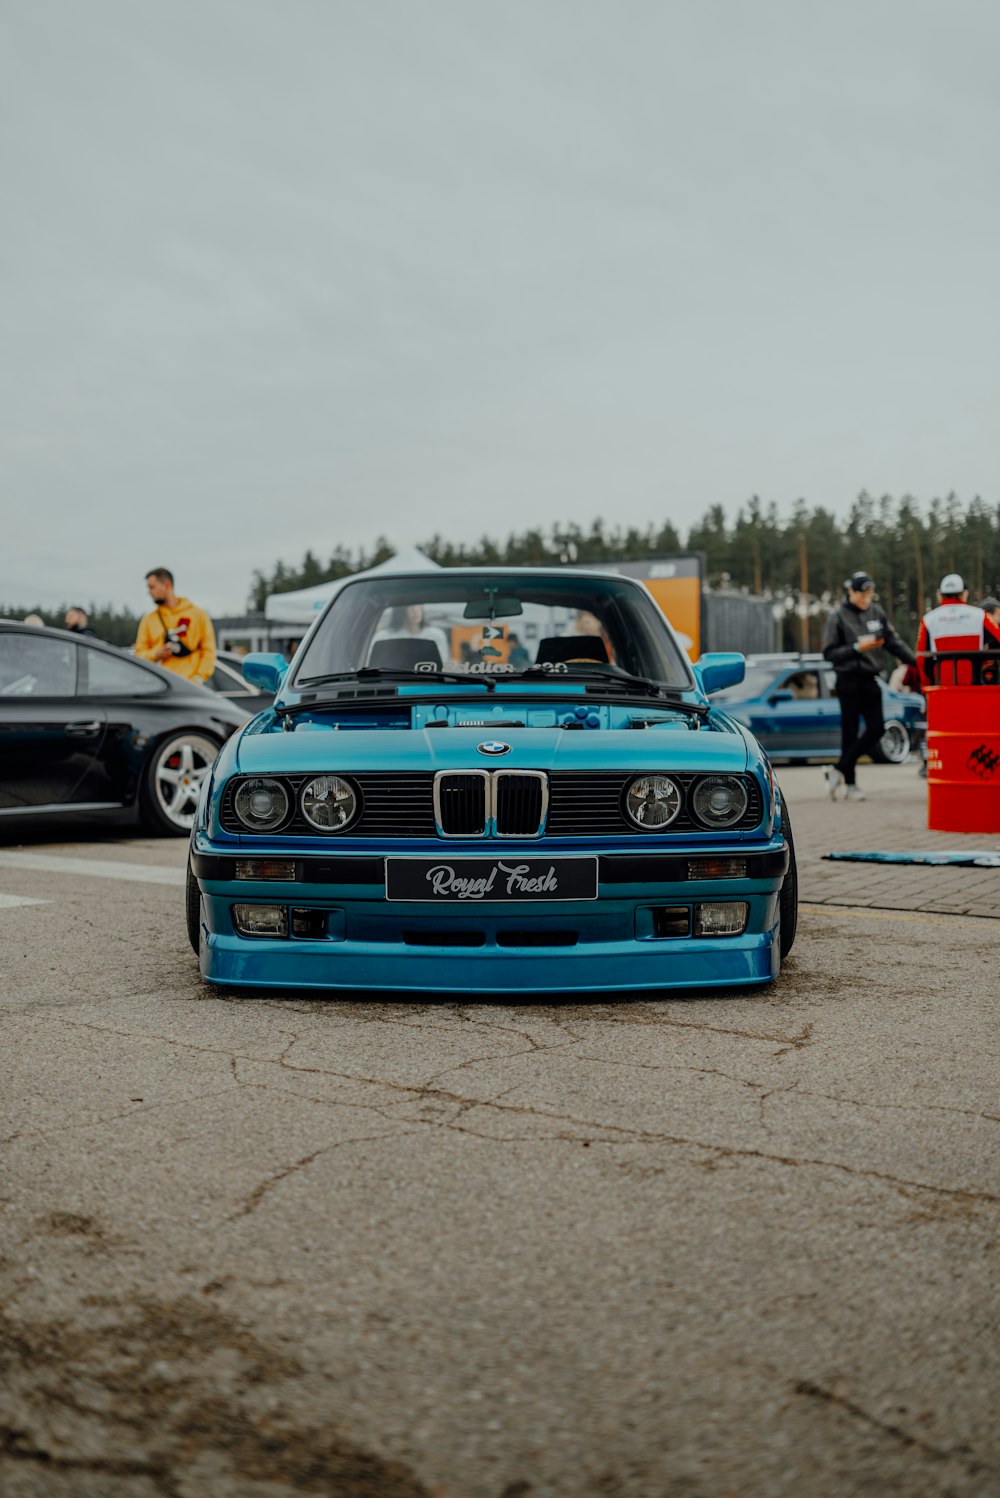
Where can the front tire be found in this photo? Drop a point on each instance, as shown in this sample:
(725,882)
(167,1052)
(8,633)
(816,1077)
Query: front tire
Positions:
(894,745)
(171,782)
(788,896)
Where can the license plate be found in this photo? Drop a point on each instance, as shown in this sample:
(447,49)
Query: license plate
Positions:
(440,881)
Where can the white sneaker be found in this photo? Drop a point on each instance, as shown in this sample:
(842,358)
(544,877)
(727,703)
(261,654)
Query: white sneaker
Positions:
(834,780)
(854,793)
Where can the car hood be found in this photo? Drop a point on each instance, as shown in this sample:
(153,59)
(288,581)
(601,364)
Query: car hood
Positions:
(714,747)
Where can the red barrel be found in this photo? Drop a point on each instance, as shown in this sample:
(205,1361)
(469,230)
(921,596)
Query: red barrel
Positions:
(963,758)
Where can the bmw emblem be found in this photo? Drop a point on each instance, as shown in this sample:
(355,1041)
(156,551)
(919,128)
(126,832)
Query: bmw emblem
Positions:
(493,746)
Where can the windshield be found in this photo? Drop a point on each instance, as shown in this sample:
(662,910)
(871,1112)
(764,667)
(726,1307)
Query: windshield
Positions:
(479,624)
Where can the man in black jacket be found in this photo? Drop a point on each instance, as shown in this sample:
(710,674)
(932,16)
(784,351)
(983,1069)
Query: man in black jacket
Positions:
(77,622)
(856,634)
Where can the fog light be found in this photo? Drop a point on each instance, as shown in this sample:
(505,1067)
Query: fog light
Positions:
(717,868)
(722,919)
(309,923)
(265,868)
(260,920)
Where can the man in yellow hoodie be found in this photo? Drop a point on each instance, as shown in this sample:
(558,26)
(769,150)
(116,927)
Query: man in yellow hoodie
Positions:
(176,633)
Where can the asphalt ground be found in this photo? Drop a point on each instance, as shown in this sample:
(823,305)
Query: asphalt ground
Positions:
(697,1246)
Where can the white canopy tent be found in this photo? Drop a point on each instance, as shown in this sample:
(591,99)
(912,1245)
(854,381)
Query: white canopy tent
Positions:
(306,604)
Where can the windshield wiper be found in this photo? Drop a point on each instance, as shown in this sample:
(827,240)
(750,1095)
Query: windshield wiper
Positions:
(387,673)
(371,674)
(621,683)
(680,704)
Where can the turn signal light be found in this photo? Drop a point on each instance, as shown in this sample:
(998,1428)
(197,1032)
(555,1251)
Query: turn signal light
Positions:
(265,868)
(717,868)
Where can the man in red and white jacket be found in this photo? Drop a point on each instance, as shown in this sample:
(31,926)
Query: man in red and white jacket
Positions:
(955,624)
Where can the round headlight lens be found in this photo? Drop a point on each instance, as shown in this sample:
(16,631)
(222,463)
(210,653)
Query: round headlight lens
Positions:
(653,801)
(720,800)
(261,804)
(328,802)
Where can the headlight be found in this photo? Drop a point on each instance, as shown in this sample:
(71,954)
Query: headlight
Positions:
(328,802)
(720,800)
(653,801)
(261,804)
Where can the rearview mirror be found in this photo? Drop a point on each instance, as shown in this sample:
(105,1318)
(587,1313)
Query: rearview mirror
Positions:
(782,695)
(492,608)
(266,671)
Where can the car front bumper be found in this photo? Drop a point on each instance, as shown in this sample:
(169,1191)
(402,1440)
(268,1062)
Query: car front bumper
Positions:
(595,946)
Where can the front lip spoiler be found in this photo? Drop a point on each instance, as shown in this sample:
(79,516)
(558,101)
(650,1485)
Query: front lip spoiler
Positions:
(613,868)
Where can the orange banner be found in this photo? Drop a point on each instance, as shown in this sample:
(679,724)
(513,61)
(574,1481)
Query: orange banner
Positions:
(680,600)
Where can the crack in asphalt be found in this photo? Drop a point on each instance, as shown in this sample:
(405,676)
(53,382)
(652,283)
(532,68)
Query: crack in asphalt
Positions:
(622,1134)
(594,1131)
(17,1445)
(93,1123)
(961,1454)
(533,1050)
(805,1092)
(853,1102)
(797,1042)
(259,1192)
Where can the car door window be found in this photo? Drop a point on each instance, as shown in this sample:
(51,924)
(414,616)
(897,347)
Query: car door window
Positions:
(36,666)
(803,685)
(229,683)
(104,675)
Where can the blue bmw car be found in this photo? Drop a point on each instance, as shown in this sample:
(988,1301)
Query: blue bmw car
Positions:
(486,781)
(790,705)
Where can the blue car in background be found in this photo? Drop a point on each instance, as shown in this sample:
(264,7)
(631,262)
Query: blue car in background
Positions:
(789,704)
(491,780)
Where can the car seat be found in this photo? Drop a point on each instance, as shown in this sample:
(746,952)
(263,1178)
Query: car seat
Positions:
(404,654)
(571,648)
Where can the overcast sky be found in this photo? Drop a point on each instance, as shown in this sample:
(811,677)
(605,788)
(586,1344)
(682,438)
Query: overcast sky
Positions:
(280,274)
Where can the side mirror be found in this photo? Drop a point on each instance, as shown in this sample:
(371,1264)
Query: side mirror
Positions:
(266,671)
(722,668)
(782,695)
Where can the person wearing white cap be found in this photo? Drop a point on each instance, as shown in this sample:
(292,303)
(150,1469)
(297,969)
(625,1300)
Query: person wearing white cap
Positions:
(956,624)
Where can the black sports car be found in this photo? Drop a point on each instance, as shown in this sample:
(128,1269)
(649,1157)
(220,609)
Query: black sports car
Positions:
(85,727)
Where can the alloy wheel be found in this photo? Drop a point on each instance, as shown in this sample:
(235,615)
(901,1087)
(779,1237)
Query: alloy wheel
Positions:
(895,742)
(181,765)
